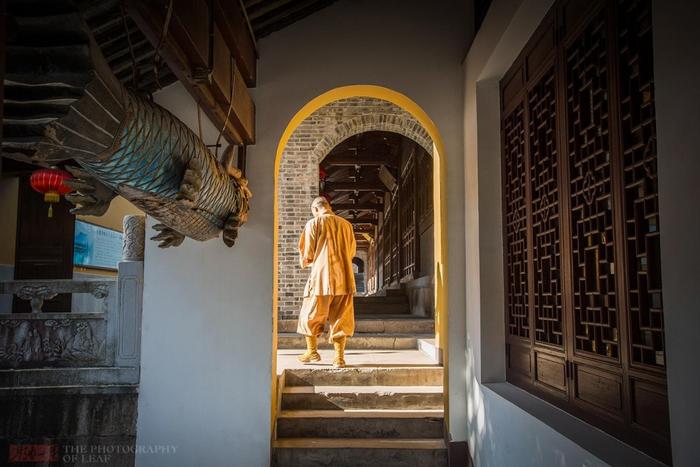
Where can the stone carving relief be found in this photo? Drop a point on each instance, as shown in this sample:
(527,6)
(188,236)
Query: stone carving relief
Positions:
(66,341)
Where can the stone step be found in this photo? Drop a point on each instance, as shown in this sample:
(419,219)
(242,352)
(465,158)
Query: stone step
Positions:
(399,298)
(365,376)
(365,397)
(375,324)
(380,308)
(360,423)
(310,452)
(394,293)
(373,341)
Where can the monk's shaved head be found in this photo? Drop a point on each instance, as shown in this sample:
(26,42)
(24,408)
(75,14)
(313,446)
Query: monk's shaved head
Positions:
(320,205)
(320,202)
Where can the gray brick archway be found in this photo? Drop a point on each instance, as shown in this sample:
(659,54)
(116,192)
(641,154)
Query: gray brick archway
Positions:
(311,141)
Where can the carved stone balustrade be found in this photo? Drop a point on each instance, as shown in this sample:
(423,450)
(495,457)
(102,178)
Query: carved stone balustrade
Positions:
(99,346)
(36,291)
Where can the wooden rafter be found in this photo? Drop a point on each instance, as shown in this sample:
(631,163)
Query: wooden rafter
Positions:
(356,186)
(357,207)
(185,49)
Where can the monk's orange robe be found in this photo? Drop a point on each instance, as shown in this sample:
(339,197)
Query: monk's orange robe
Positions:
(327,245)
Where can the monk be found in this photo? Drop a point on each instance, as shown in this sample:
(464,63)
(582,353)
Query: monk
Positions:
(327,245)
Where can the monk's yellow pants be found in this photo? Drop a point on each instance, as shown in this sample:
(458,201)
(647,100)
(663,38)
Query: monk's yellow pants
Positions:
(338,310)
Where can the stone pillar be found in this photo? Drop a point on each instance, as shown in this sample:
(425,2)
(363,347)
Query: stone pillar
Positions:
(134,237)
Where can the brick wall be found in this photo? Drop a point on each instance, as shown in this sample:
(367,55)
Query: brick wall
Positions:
(313,139)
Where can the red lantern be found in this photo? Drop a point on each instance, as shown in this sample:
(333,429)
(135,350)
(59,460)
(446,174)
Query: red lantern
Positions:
(50,183)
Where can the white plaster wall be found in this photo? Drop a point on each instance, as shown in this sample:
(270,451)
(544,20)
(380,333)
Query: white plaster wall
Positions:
(411,46)
(205,370)
(676,71)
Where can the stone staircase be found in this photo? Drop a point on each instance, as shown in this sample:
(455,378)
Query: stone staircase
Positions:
(375,414)
(381,323)
(365,416)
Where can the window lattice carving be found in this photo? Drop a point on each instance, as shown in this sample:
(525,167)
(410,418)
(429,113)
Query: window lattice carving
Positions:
(516,223)
(595,301)
(407,218)
(641,206)
(581,220)
(546,256)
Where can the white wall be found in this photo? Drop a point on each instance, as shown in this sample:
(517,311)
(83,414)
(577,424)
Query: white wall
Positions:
(207,320)
(410,46)
(205,373)
(676,71)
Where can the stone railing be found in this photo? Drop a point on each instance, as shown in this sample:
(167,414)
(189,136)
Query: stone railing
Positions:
(56,339)
(100,344)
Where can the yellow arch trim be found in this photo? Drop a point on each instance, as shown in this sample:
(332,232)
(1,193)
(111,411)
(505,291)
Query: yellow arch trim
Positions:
(439,207)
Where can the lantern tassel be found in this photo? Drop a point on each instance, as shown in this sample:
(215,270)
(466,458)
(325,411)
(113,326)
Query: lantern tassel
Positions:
(50,210)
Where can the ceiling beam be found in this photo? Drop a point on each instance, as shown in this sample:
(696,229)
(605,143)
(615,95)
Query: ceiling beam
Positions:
(185,49)
(363,221)
(231,20)
(355,186)
(362,228)
(352,158)
(358,206)
(263,29)
(255,12)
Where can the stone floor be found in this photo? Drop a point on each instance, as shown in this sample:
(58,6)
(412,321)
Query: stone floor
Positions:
(287,359)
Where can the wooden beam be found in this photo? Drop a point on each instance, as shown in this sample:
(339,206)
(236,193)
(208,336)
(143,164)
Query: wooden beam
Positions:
(355,186)
(353,158)
(301,10)
(361,228)
(363,221)
(357,206)
(185,49)
(242,158)
(230,19)
(255,12)
(387,178)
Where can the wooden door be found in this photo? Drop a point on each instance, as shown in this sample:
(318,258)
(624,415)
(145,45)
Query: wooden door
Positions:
(44,245)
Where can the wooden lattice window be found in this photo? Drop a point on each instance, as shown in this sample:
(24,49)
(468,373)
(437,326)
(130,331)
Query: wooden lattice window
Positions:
(407,217)
(517,315)
(424,190)
(581,226)
(544,189)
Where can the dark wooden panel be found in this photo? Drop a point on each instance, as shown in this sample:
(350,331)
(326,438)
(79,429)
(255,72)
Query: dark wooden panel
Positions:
(520,359)
(551,372)
(44,245)
(542,49)
(511,86)
(573,14)
(650,407)
(599,388)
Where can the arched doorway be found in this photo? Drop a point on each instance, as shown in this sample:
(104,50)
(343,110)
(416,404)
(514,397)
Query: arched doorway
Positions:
(312,133)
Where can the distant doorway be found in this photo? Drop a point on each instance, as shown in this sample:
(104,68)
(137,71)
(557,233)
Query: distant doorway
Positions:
(381,182)
(322,125)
